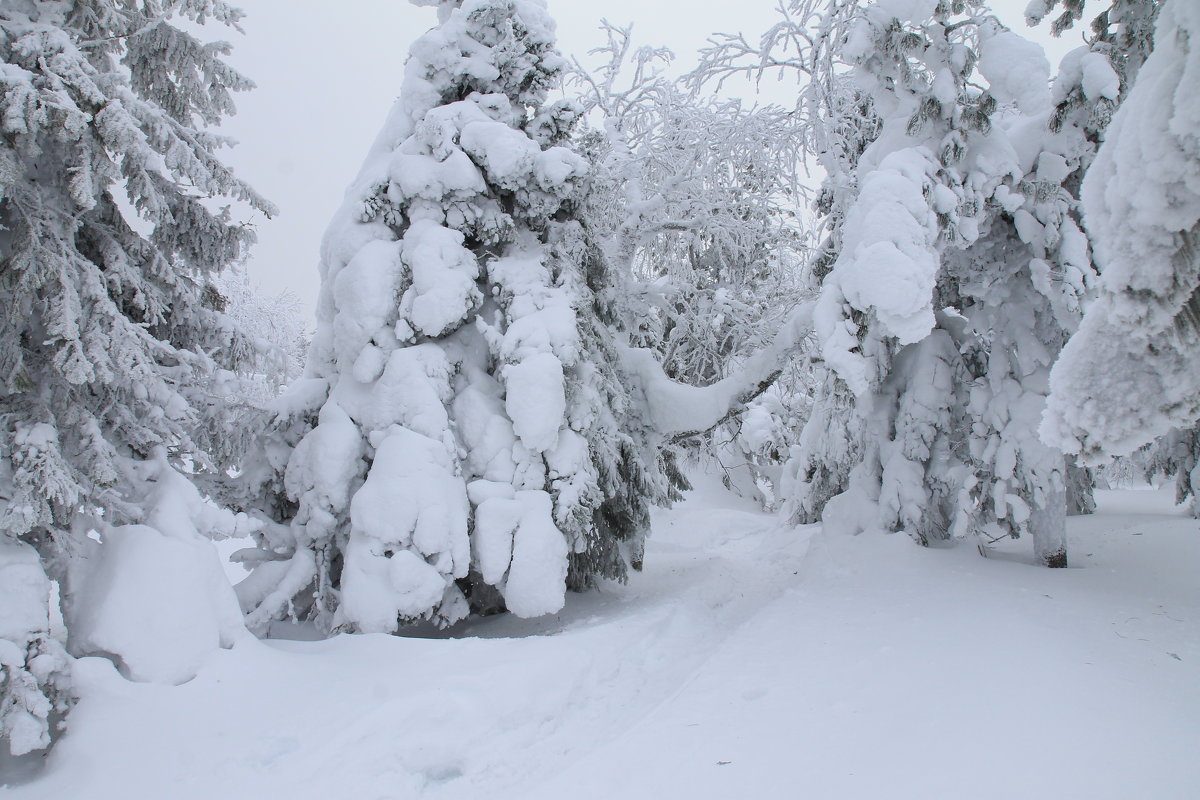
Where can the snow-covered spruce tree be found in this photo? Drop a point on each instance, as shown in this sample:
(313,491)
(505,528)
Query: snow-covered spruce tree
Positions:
(1129,375)
(1175,455)
(954,273)
(114,353)
(1093,79)
(1009,266)
(1091,82)
(465,437)
(1121,36)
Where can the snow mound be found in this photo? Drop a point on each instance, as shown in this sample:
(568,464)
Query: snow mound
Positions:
(1016,69)
(33,664)
(154,597)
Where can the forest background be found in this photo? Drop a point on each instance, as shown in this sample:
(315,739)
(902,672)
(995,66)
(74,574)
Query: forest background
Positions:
(322,95)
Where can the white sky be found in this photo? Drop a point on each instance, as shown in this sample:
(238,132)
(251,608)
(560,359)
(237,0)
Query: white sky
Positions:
(326,80)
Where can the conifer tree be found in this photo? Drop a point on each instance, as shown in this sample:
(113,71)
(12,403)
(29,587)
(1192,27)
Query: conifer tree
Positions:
(952,271)
(1128,375)
(1122,35)
(1005,261)
(113,345)
(465,437)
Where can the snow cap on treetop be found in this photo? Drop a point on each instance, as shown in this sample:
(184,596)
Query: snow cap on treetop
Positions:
(466,54)
(444,7)
(1016,69)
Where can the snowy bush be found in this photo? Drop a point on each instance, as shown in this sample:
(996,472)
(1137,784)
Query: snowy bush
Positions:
(152,595)
(698,199)
(277,326)
(34,667)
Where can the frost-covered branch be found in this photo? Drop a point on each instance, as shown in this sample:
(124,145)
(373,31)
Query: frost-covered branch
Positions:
(680,411)
(700,205)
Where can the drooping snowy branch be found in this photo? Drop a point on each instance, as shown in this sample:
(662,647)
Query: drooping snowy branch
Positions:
(1130,374)
(680,410)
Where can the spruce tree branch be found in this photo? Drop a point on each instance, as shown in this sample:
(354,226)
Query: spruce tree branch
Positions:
(149,26)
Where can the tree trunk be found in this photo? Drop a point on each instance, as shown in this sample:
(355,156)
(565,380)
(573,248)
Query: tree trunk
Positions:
(1048,525)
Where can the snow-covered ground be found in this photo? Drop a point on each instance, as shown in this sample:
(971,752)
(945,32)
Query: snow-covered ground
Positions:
(749,660)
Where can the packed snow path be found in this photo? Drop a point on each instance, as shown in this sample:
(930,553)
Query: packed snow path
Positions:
(749,660)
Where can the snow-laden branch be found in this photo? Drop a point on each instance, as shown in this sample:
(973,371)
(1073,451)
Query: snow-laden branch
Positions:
(679,411)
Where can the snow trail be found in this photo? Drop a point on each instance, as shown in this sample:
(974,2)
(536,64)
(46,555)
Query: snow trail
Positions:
(749,660)
(888,670)
(501,699)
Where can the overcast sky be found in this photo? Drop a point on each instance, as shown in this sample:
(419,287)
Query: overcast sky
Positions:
(326,79)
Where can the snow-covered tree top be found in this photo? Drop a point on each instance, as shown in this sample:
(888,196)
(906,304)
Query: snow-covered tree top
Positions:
(481,46)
